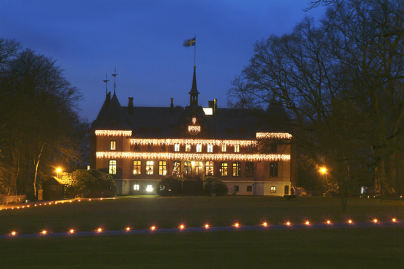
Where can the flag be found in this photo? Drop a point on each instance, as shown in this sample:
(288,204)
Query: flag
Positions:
(190,42)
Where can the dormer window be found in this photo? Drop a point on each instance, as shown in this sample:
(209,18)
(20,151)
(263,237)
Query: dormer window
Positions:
(112,145)
(176,147)
(209,148)
(188,148)
(223,147)
(198,147)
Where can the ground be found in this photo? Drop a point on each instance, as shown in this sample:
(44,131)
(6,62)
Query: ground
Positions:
(303,248)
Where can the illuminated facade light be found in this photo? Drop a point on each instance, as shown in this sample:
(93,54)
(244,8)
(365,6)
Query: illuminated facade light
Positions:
(236,225)
(329,222)
(307,222)
(350,221)
(375,220)
(184,141)
(264,224)
(72,231)
(113,133)
(394,220)
(206,226)
(192,156)
(264,135)
(153,228)
(13,233)
(127,229)
(181,227)
(288,223)
(44,232)
(149,188)
(99,230)
(194,129)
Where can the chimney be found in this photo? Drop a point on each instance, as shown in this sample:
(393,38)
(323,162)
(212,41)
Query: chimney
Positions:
(213,105)
(172,104)
(130,105)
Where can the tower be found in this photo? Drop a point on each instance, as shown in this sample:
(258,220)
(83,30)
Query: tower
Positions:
(193,93)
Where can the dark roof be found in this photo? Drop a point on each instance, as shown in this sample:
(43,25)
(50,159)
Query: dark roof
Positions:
(166,122)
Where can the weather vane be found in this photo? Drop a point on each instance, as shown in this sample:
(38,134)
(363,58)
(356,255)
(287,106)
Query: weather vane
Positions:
(114,75)
(106,83)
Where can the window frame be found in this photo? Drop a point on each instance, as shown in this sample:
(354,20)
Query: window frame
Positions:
(224,169)
(236,169)
(112,145)
(137,167)
(149,164)
(163,168)
(112,167)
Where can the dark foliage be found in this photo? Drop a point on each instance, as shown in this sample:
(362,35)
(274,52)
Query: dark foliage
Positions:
(215,186)
(91,183)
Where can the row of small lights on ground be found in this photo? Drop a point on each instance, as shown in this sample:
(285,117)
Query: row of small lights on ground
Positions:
(206,226)
(54,203)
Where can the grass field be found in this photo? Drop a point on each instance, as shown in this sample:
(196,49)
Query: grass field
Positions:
(311,248)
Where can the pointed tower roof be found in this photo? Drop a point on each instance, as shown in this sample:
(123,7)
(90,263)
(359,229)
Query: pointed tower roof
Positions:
(193,93)
(111,115)
(194,88)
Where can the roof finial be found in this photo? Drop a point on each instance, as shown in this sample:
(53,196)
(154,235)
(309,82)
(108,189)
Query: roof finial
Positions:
(106,83)
(114,75)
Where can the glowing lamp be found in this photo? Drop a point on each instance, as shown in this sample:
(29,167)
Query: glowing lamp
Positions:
(13,233)
(288,223)
(307,222)
(153,228)
(264,224)
(323,170)
(236,225)
(350,221)
(99,230)
(72,231)
(127,229)
(375,220)
(206,226)
(394,220)
(329,222)
(181,227)
(44,232)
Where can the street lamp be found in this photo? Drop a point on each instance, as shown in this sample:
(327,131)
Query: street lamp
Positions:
(323,170)
(58,170)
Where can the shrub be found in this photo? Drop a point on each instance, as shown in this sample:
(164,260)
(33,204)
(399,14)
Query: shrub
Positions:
(91,183)
(213,185)
(170,186)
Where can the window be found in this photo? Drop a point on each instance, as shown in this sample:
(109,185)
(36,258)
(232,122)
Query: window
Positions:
(136,187)
(209,168)
(177,168)
(137,167)
(149,188)
(162,168)
(249,188)
(187,168)
(112,145)
(223,169)
(149,167)
(249,169)
(198,168)
(188,148)
(273,169)
(177,147)
(236,188)
(236,169)
(210,148)
(198,147)
(112,167)
(273,189)
(223,147)
(237,148)
(273,148)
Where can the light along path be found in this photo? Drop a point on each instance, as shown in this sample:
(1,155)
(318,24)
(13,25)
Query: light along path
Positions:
(265,226)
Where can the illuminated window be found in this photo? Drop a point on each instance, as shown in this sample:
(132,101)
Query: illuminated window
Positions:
(236,169)
(112,145)
(177,147)
(177,168)
(149,167)
(136,187)
(187,168)
(249,188)
(137,167)
(198,147)
(273,189)
(209,148)
(188,147)
(249,169)
(149,188)
(223,169)
(273,169)
(198,168)
(237,148)
(112,167)
(223,147)
(209,168)
(162,168)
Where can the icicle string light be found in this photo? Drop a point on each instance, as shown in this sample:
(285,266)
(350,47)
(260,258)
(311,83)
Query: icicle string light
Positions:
(113,133)
(172,141)
(263,135)
(191,156)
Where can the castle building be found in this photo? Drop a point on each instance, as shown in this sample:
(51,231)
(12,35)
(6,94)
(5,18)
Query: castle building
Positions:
(248,149)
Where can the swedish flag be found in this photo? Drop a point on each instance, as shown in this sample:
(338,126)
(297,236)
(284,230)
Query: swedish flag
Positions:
(190,42)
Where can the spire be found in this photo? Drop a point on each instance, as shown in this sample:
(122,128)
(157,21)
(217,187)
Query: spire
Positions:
(114,75)
(106,84)
(194,91)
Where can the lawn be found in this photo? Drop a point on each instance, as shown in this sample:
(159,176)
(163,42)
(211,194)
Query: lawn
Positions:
(311,248)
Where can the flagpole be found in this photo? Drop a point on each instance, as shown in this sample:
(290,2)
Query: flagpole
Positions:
(195,52)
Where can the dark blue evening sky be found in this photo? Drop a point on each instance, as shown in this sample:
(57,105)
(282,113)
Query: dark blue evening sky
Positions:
(144,39)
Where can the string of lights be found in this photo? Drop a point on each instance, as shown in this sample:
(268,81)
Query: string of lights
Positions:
(264,135)
(113,133)
(172,141)
(264,225)
(191,156)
